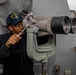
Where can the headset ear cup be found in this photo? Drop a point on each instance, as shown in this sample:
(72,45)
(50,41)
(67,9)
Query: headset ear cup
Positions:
(2,1)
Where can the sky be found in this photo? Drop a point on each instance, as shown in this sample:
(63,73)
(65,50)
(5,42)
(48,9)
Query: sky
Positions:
(72,4)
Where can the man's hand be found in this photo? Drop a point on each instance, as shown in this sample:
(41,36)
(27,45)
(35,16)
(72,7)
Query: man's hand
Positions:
(13,40)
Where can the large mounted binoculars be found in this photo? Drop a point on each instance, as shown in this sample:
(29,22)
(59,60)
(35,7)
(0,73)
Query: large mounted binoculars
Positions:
(45,28)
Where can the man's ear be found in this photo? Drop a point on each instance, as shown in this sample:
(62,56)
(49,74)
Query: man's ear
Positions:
(10,28)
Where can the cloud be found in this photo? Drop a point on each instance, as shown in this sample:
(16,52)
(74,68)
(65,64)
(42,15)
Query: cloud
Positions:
(72,4)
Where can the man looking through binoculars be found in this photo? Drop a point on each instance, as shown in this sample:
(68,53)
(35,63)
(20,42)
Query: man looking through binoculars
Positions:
(13,49)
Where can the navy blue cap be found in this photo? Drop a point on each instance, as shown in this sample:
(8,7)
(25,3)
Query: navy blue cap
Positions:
(13,19)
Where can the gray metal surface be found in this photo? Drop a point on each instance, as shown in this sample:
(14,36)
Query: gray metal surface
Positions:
(65,55)
(50,7)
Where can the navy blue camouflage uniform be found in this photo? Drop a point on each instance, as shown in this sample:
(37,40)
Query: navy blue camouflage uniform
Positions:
(15,59)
